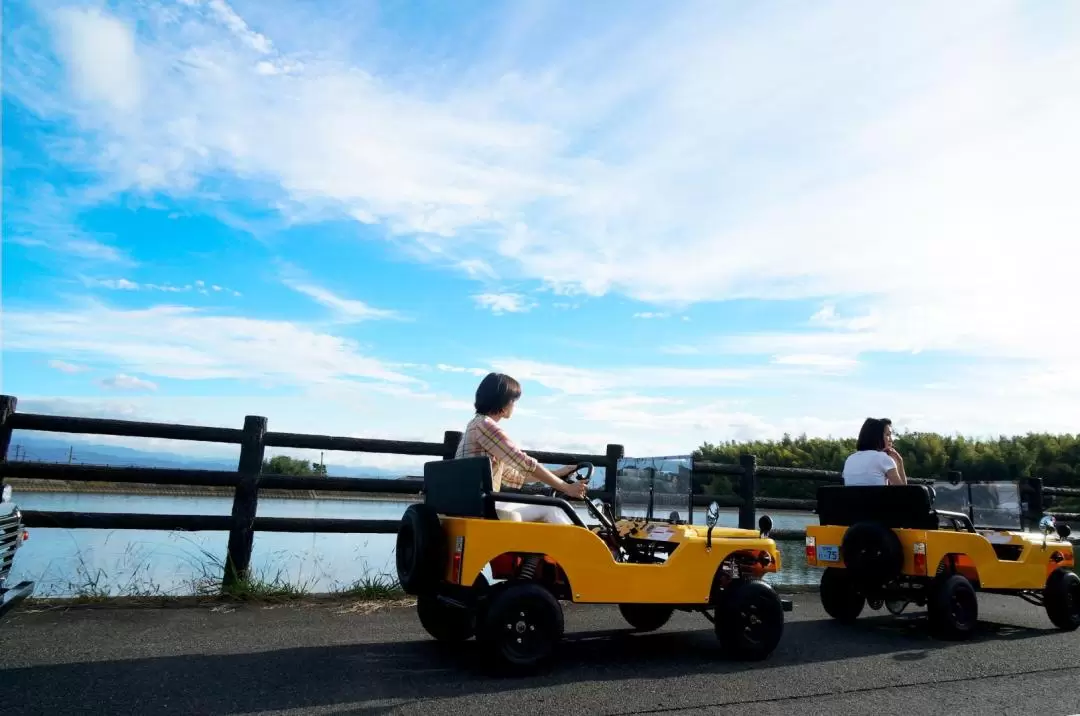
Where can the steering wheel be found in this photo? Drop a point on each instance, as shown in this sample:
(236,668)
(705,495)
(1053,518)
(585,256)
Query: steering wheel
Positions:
(604,520)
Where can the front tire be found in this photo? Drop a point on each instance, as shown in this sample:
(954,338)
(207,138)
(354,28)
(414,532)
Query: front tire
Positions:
(521,627)
(1061,598)
(749,620)
(953,607)
(646,617)
(840,596)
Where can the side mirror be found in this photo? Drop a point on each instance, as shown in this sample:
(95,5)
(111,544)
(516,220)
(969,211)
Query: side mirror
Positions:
(764,524)
(598,504)
(1047,524)
(1064,531)
(712,515)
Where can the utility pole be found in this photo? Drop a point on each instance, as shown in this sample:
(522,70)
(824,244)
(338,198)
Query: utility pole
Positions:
(71,453)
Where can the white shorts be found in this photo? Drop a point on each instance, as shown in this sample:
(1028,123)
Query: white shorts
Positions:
(532,513)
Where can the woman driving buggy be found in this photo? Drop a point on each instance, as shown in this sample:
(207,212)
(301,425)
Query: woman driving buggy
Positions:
(510,465)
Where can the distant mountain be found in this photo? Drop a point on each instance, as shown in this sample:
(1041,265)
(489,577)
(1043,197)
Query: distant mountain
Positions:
(40,449)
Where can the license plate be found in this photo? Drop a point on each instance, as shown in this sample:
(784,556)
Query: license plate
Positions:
(828,553)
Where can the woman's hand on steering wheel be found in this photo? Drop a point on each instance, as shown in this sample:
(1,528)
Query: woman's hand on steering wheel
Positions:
(576,489)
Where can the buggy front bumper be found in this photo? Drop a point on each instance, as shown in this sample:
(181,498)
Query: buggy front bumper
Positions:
(11,596)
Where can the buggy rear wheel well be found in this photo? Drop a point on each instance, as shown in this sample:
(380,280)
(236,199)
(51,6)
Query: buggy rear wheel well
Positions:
(532,567)
(958,563)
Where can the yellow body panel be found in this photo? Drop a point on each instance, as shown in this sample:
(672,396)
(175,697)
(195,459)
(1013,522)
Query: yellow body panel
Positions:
(594,575)
(1029,571)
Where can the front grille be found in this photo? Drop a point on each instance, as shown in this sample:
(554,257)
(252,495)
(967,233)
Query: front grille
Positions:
(10,539)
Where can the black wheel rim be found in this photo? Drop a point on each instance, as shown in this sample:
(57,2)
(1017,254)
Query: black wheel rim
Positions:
(960,608)
(753,621)
(522,631)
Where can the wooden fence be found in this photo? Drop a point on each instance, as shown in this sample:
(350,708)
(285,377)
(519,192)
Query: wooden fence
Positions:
(247,479)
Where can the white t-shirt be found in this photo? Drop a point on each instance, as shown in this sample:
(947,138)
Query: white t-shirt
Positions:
(867,467)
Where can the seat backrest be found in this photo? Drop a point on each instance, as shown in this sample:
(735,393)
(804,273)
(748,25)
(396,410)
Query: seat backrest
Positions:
(895,506)
(459,487)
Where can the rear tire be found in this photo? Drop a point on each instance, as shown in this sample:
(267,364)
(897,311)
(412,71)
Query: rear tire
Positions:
(445,622)
(420,550)
(1061,598)
(521,627)
(840,596)
(749,620)
(646,617)
(953,607)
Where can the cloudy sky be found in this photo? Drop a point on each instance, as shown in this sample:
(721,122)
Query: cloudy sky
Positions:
(673,222)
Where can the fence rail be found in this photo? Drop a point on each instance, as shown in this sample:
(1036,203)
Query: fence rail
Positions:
(247,480)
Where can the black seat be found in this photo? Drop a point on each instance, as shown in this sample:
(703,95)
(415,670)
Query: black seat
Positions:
(459,487)
(895,506)
(462,488)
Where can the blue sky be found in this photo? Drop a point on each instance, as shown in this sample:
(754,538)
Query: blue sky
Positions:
(673,223)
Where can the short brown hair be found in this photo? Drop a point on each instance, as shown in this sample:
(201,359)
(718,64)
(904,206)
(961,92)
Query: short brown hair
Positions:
(872,434)
(495,392)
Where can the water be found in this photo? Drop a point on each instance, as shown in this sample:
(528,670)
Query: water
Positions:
(68,562)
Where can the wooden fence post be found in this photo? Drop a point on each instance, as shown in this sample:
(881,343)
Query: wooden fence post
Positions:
(611,475)
(7,409)
(748,491)
(245,502)
(450,441)
(1035,506)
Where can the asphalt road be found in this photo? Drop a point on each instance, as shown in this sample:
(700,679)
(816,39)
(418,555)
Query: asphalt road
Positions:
(344,659)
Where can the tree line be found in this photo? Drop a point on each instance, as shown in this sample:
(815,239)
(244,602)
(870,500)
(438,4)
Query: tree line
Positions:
(1054,458)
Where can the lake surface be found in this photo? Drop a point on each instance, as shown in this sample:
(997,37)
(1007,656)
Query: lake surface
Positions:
(67,562)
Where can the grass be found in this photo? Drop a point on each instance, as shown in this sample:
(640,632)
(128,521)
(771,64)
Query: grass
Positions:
(92,585)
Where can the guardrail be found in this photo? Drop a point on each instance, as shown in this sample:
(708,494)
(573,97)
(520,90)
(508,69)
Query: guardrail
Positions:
(247,480)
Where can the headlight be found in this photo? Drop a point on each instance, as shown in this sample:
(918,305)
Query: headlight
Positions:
(5,494)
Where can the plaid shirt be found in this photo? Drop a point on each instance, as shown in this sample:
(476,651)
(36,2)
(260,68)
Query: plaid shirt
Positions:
(509,463)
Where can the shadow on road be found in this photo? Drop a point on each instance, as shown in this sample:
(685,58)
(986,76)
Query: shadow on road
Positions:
(425,669)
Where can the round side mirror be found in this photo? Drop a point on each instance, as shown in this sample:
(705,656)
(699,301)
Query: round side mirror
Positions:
(712,514)
(1047,524)
(1064,531)
(764,524)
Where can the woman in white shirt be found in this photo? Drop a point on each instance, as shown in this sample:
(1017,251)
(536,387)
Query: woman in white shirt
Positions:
(875,460)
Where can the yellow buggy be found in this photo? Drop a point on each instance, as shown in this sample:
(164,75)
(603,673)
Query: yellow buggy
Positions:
(892,546)
(648,568)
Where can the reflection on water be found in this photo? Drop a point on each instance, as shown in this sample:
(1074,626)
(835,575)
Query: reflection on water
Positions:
(65,562)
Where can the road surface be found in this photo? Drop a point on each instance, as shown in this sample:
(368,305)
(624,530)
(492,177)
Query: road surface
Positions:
(335,658)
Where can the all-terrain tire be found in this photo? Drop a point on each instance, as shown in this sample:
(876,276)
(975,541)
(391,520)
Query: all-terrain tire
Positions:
(521,627)
(872,553)
(646,617)
(749,620)
(840,595)
(444,621)
(1061,599)
(952,607)
(420,551)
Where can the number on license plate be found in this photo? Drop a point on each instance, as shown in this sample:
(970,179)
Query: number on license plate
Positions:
(828,553)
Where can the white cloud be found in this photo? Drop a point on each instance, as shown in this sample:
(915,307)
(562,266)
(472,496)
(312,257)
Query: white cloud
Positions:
(346,309)
(100,55)
(122,381)
(123,284)
(499,303)
(65,367)
(185,343)
(651,314)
